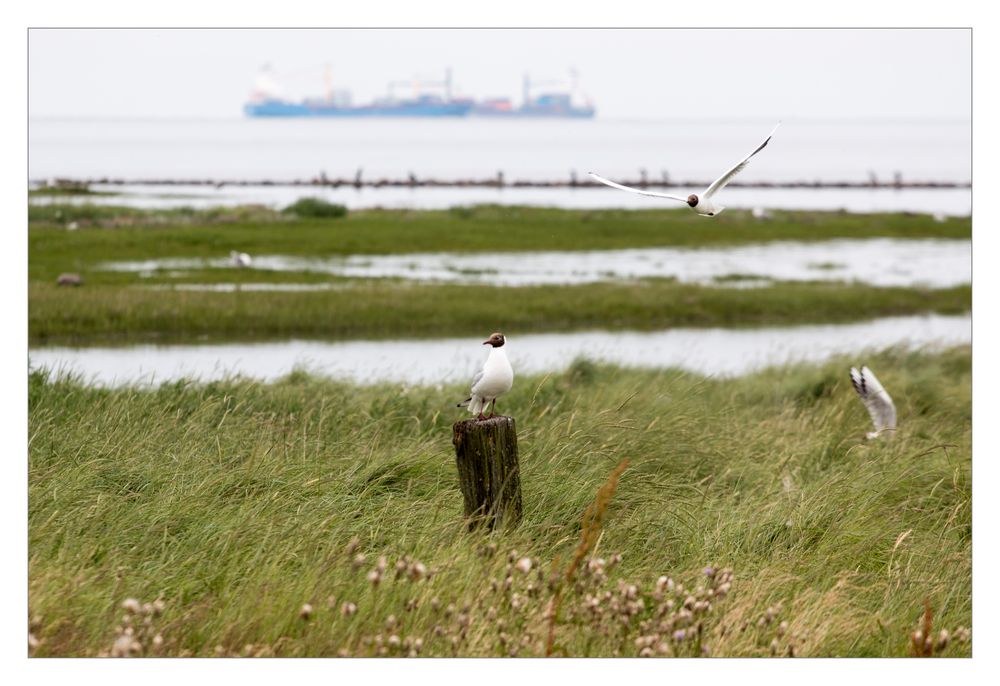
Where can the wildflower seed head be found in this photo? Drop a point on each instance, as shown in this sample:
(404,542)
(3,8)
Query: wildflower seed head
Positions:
(348,609)
(352,545)
(375,577)
(358,561)
(305,612)
(381,564)
(132,606)
(523,565)
(417,571)
(942,640)
(390,622)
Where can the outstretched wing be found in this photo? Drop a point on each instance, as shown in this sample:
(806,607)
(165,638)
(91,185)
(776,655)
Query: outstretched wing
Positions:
(876,399)
(720,182)
(620,187)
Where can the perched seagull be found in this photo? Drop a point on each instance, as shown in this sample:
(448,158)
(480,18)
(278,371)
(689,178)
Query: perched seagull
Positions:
(494,380)
(702,205)
(876,400)
(239,259)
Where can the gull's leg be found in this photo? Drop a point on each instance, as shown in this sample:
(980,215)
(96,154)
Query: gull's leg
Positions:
(493,406)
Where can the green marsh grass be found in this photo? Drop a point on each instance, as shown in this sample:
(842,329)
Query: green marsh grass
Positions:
(388,309)
(118,307)
(752,517)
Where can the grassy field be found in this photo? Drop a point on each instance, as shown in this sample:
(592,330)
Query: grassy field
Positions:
(387,309)
(140,234)
(118,307)
(254,518)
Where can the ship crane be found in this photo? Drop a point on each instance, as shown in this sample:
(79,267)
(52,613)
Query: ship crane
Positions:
(529,84)
(416,83)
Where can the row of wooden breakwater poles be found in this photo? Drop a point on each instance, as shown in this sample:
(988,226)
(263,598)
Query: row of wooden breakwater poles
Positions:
(500,180)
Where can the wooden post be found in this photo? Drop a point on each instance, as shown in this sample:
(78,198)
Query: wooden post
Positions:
(488,471)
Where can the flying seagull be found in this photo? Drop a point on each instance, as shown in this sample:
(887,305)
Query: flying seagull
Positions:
(494,380)
(876,400)
(703,205)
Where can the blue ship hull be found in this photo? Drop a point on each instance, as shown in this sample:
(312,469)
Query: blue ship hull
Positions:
(277,108)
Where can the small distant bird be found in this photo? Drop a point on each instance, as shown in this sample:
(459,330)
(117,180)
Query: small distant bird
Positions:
(494,380)
(702,205)
(69,279)
(876,400)
(239,259)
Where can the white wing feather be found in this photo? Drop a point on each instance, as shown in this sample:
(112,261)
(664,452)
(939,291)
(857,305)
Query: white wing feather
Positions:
(472,395)
(476,379)
(620,187)
(877,401)
(720,182)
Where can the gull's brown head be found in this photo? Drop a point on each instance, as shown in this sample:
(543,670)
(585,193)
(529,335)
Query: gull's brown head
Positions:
(692,200)
(496,340)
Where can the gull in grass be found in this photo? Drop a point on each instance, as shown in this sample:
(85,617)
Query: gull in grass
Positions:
(239,259)
(702,204)
(494,380)
(876,400)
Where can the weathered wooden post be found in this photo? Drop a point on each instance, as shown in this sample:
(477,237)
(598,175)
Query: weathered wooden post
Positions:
(488,471)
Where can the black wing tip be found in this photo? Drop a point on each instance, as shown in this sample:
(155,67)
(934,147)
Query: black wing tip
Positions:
(761,146)
(858,381)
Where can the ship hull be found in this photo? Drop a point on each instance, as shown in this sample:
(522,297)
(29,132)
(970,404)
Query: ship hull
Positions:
(287,109)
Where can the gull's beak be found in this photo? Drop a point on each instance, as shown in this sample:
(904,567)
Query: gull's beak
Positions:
(486,342)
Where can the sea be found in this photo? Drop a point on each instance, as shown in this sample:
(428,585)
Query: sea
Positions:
(267,153)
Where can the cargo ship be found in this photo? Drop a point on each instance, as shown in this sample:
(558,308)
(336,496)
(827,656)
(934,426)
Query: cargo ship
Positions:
(553,104)
(265,101)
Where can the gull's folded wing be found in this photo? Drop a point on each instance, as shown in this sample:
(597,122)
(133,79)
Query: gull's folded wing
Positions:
(620,187)
(475,380)
(720,182)
(877,401)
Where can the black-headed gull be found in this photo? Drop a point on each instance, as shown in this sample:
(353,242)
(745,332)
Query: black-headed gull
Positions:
(876,400)
(702,204)
(239,259)
(495,379)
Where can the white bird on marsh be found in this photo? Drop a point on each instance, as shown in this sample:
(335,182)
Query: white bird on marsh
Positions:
(239,259)
(495,379)
(702,204)
(876,400)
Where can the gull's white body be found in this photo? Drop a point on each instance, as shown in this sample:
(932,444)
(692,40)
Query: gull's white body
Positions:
(239,259)
(877,401)
(494,380)
(702,204)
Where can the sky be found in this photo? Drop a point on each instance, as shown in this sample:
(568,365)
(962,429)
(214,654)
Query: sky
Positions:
(627,73)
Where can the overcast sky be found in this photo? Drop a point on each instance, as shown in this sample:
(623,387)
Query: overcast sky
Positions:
(646,73)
